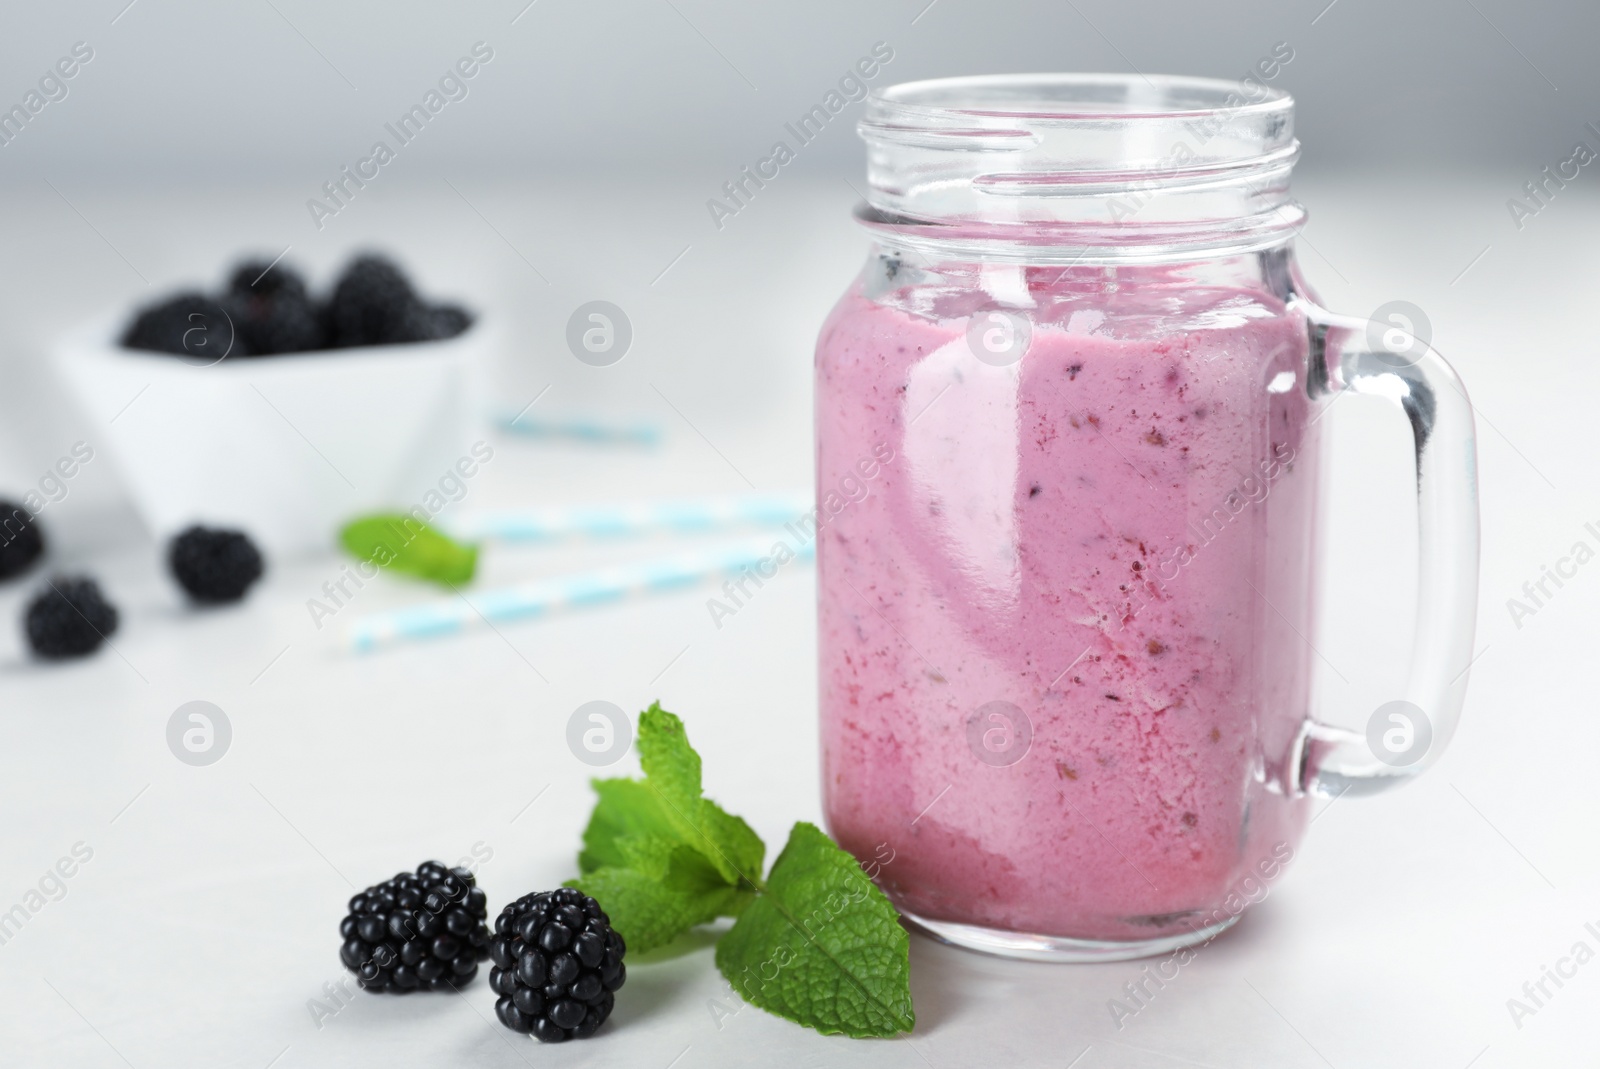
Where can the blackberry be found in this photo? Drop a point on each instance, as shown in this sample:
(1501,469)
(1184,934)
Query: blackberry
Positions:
(20,541)
(419,931)
(272,310)
(190,325)
(557,965)
(69,618)
(214,565)
(448,320)
(263,278)
(374,304)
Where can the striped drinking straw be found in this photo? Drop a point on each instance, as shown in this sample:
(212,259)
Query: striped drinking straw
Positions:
(583,430)
(580,590)
(616,520)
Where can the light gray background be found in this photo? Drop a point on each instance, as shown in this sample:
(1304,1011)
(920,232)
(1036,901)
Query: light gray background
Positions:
(185,88)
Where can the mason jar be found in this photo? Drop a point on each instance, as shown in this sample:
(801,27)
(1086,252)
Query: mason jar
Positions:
(1069,439)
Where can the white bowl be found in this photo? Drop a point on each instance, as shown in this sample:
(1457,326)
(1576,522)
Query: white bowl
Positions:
(287,448)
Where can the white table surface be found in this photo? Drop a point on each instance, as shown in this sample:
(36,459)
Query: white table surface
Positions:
(208,915)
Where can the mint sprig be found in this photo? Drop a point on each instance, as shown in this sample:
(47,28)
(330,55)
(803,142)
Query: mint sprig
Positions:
(816,942)
(401,543)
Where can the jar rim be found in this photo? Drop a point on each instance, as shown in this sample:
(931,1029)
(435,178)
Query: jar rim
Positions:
(1080,97)
(1108,166)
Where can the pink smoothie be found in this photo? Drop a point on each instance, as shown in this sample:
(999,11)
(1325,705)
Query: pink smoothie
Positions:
(1114,535)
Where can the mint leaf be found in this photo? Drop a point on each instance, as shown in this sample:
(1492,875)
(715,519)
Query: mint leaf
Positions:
(627,809)
(670,764)
(822,946)
(400,543)
(734,841)
(651,904)
(657,855)
(672,773)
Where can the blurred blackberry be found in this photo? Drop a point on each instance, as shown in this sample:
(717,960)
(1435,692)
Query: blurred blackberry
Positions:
(448,320)
(272,311)
(20,541)
(190,325)
(374,304)
(264,278)
(69,618)
(419,931)
(214,565)
(557,965)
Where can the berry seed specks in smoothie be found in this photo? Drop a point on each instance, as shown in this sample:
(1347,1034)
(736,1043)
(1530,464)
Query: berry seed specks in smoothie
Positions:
(1066,660)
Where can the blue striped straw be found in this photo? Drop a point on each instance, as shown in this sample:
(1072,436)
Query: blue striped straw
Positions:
(583,430)
(577,591)
(693,515)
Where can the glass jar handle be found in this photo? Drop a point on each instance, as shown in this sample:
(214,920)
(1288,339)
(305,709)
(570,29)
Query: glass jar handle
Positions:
(1406,736)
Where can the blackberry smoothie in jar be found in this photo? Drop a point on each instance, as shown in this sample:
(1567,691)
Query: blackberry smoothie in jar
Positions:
(1066,634)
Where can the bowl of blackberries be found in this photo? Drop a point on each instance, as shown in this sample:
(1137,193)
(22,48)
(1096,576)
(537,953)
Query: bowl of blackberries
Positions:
(277,407)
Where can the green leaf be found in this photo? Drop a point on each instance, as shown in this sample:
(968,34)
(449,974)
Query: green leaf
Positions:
(646,912)
(631,809)
(670,764)
(400,543)
(822,946)
(656,889)
(672,775)
(627,809)
(734,841)
(659,857)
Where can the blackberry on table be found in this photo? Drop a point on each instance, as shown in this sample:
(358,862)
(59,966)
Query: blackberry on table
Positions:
(214,565)
(190,324)
(420,931)
(272,310)
(374,304)
(557,965)
(20,541)
(69,618)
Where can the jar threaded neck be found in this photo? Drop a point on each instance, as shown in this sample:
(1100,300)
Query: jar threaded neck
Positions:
(1081,167)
